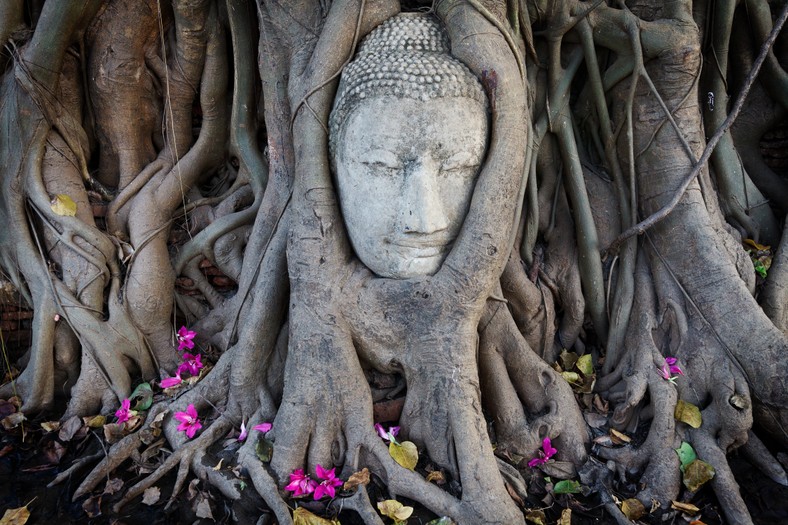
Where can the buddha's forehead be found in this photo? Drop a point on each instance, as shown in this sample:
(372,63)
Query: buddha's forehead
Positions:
(404,124)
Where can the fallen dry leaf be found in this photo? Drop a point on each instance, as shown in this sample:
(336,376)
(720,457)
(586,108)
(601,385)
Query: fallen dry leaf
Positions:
(688,508)
(203,508)
(151,496)
(301,516)
(688,413)
(50,426)
(64,205)
(537,517)
(69,428)
(113,485)
(13,421)
(566,517)
(405,453)
(619,437)
(633,509)
(356,479)
(395,510)
(16,516)
(437,477)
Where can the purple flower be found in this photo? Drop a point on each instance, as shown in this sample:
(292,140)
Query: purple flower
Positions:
(301,484)
(327,486)
(669,368)
(170,382)
(388,436)
(244,433)
(124,413)
(185,337)
(546,453)
(191,363)
(263,427)
(189,422)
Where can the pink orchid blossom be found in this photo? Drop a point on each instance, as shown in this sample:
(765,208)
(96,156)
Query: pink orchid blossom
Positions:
(546,453)
(388,436)
(191,363)
(189,422)
(327,486)
(169,382)
(184,337)
(244,432)
(301,484)
(263,427)
(124,413)
(669,368)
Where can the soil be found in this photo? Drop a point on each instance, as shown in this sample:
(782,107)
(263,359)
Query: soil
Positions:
(30,461)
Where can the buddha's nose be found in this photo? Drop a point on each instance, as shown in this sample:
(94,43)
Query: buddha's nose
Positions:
(423,210)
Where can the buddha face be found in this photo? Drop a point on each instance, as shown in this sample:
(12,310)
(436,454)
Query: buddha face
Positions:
(405,172)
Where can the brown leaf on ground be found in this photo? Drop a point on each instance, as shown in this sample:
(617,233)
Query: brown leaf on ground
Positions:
(53,452)
(633,509)
(203,508)
(50,426)
(13,421)
(92,506)
(151,496)
(356,479)
(16,516)
(113,485)
(619,438)
(687,508)
(6,408)
(69,428)
(536,516)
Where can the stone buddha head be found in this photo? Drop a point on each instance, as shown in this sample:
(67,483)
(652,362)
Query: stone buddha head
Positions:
(408,134)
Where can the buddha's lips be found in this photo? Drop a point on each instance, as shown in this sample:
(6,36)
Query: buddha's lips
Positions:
(431,246)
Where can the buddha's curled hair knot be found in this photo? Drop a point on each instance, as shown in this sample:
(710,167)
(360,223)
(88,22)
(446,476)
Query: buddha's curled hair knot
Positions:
(407,56)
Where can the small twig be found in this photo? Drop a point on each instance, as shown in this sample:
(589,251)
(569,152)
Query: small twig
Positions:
(653,219)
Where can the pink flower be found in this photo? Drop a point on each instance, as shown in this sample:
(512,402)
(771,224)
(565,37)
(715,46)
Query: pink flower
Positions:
(669,368)
(244,433)
(388,436)
(184,337)
(263,427)
(191,363)
(327,486)
(124,413)
(546,453)
(170,382)
(301,484)
(189,422)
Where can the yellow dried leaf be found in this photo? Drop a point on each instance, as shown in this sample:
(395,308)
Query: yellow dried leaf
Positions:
(571,377)
(95,421)
(688,413)
(585,365)
(618,437)
(566,517)
(356,479)
(405,453)
(537,517)
(218,465)
(436,476)
(688,508)
(17,516)
(759,247)
(395,510)
(696,474)
(51,426)
(64,205)
(633,509)
(301,516)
